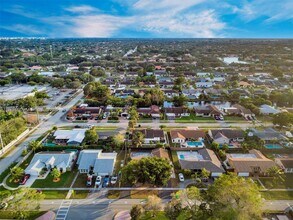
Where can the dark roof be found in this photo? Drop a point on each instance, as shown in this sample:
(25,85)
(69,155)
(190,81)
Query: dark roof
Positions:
(229,133)
(287,162)
(151,133)
(210,162)
(176,110)
(84,110)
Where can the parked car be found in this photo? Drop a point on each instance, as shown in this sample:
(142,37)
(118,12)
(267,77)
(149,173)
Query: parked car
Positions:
(113,180)
(181,177)
(64,110)
(106,181)
(98,181)
(221,117)
(89,181)
(24,179)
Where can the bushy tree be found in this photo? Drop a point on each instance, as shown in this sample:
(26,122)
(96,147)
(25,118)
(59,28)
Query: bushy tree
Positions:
(55,173)
(91,136)
(16,173)
(149,170)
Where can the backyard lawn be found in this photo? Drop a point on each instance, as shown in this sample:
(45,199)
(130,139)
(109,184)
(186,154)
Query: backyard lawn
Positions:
(288,183)
(65,181)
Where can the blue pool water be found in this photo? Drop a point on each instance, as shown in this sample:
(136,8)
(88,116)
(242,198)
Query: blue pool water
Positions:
(194,143)
(181,157)
(273,146)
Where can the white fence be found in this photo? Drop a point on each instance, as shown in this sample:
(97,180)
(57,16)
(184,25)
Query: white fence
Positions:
(8,146)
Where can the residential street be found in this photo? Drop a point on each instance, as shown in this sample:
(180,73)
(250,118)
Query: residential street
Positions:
(45,126)
(106,208)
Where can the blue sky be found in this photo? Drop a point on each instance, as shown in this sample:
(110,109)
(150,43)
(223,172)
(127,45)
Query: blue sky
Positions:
(147,18)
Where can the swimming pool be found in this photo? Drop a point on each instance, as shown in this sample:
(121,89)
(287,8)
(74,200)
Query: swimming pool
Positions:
(194,144)
(273,146)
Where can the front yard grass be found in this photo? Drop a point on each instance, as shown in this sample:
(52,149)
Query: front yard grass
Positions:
(193,119)
(65,181)
(234,118)
(6,172)
(159,215)
(80,181)
(277,195)
(287,184)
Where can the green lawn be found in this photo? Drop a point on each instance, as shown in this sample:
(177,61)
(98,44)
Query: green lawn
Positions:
(193,118)
(79,194)
(65,181)
(113,194)
(287,184)
(234,118)
(6,172)
(175,160)
(11,215)
(55,194)
(80,181)
(277,195)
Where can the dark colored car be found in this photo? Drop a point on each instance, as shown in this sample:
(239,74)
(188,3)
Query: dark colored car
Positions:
(24,179)
(106,181)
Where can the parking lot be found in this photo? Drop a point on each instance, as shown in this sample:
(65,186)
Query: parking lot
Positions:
(57,97)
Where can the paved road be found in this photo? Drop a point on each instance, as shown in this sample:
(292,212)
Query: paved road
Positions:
(54,120)
(106,208)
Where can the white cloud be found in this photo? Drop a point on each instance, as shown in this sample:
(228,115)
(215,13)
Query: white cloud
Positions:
(202,24)
(28,30)
(173,5)
(81,9)
(97,25)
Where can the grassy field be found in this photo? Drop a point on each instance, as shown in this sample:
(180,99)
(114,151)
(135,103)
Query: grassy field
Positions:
(6,172)
(142,194)
(234,118)
(79,194)
(113,194)
(55,194)
(11,215)
(65,181)
(80,181)
(277,195)
(193,119)
(287,184)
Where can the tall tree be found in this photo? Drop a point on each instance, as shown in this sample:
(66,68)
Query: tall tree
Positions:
(137,138)
(34,145)
(16,173)
(91,136)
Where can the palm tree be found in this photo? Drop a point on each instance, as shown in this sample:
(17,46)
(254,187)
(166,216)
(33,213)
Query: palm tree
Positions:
(34,145)
(137,139)
(16,173)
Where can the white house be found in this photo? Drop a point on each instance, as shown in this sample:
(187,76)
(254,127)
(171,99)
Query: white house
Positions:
(63,161)
(152,136)
(226,136)
(267,109)
(70,137)
(96,162)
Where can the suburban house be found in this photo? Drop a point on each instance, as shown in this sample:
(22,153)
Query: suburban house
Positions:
(204,83)
(176,112)
(63,161)
(267,110)
(269,135)
(170,93)
(188,137)
(207,111)
(69,137)
(157,152)
(152,136)
(253,163)
(84,112)
(202,158)
(240,110)
(192,93)
(226,136)
(95,162)
(286,164)
(152,111)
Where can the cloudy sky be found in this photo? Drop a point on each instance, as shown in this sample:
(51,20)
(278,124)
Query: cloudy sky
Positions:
(147,18)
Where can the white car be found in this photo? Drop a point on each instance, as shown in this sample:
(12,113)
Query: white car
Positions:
(98,181)
(113,180)
(181,177)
